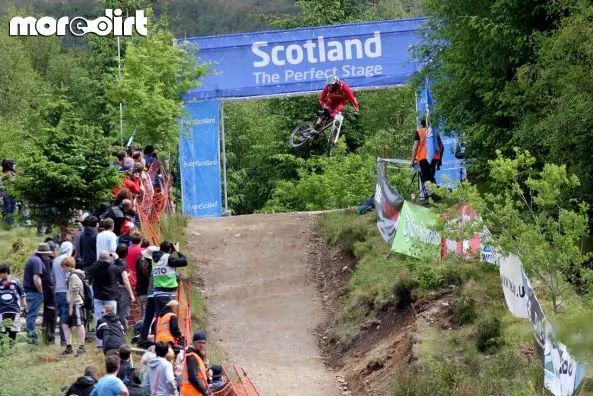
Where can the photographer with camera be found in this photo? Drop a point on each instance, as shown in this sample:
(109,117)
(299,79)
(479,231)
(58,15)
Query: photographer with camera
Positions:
(164,274)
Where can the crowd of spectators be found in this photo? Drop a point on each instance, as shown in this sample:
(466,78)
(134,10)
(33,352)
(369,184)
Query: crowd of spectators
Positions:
(88,282)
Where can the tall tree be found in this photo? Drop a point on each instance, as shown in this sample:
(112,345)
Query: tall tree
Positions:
(473,52)
(67,167)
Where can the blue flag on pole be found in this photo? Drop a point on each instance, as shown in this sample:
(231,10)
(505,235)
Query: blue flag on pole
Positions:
(424,104)
(199,159)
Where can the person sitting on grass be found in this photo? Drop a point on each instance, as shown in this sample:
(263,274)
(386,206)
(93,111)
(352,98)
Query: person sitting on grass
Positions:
(109,384)
(84,385)
(76,315)
(110,330)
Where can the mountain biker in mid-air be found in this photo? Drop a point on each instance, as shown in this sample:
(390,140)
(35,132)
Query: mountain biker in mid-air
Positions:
(334,97)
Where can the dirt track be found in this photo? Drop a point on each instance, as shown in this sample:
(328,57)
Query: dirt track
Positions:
(264,307)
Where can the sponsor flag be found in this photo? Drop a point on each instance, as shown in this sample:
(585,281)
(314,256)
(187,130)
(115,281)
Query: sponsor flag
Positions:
(388,205)
(415,236)
(560,369)
(511,277)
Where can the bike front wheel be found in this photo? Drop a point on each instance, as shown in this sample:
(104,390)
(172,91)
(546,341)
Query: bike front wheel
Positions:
(301,134)
(332,141)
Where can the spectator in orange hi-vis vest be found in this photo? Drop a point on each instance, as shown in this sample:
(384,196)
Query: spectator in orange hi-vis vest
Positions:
(419,154)
(194,378)
(167,326)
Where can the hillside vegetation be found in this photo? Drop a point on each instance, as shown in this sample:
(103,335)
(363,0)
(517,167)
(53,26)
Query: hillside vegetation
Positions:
(466,343)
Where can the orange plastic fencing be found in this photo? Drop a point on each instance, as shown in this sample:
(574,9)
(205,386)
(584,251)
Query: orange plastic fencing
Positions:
(155,200)
(184,314)
(245,385)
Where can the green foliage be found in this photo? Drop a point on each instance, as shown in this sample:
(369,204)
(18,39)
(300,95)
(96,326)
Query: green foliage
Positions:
(464,306)
(508,373)
(332,12)
(23,92)
(257,154)
(156,73)
(534,217)
(532,214)
(428,277)
(324,12)
(16,245)
(488,334)
(336,182)
(67,167)
(510,74)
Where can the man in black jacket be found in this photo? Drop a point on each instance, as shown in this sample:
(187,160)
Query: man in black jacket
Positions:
(87,253)
(110,330)
(104,275)
(84,385)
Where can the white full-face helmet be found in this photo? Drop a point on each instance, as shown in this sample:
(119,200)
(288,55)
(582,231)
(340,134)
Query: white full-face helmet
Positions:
(333,80)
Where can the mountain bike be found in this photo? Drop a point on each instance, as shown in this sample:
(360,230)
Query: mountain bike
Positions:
(305,132)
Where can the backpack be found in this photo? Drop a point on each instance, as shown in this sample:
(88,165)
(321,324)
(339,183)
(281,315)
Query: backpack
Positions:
(87,293)
(114,212)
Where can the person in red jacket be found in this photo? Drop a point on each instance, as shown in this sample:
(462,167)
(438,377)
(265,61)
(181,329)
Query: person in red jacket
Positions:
(334,97)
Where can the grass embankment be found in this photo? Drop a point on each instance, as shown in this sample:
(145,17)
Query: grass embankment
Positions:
(41,371)
(486,352)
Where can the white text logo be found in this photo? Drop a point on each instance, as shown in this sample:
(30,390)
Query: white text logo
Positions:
(317,51)
(112,23)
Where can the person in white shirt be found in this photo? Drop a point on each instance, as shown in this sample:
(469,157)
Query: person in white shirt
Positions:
(106,240)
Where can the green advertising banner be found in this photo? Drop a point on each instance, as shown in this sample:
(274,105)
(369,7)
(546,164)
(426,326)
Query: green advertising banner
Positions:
(414,236)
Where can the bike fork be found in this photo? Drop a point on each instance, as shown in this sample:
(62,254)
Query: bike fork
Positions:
(337,137)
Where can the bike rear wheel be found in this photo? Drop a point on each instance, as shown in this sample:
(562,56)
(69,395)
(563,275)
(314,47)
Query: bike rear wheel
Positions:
(301,134)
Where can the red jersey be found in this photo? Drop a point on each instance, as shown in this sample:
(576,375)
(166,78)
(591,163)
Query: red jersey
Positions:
(338,98)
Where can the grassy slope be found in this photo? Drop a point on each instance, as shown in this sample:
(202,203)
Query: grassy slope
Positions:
(26,243)
(448,360)
(29,370)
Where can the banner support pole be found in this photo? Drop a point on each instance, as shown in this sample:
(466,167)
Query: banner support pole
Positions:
(121,105)
(226,199)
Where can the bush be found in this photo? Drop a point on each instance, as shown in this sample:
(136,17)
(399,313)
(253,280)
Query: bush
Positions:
(349,236)
(376,361)
(402,290)
(464,306)
(429,277)
(488,335)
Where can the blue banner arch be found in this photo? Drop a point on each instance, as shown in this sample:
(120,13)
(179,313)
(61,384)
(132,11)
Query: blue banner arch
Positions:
(372,54)
(265,64)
